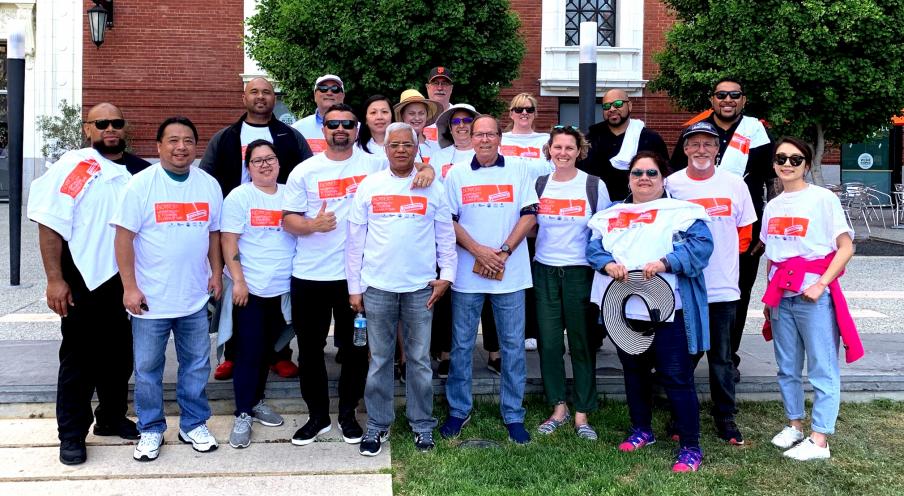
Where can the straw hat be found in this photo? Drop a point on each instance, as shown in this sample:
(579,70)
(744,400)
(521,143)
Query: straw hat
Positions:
(442,122)
(415,96)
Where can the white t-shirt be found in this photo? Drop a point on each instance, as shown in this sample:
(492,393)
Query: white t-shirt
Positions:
(564,212)
(488,203)
(251,132)
(431,133)
(172,222)
(524,145)
(400,253)
(425,151)
(727,201)
(373,148)
(265,248)
(638,233)
(321,256)
(803,223)
(76,198)
(312,132)
(444,159)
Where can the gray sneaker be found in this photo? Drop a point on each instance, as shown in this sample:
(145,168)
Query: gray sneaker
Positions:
(265,415)
(241,432)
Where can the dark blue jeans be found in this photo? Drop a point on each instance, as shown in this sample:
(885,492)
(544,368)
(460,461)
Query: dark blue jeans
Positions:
(721,366)
(257,326)
(669,356)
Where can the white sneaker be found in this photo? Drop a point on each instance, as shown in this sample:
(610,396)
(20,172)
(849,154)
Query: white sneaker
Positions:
(530,344)
(200,439)
(148,447)
(788,437)
(808,450)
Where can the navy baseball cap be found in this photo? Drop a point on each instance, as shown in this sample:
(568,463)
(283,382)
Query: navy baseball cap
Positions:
(702,127)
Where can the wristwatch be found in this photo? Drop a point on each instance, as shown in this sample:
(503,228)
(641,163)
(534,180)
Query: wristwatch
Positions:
(506,248)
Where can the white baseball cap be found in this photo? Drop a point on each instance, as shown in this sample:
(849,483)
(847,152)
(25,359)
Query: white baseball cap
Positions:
(329,77)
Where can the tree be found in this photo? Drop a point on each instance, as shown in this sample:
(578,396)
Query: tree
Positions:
(824,70)
(61,133)
(386,46)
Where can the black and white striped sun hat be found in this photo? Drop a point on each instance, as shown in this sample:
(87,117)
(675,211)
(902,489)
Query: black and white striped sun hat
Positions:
(659,299)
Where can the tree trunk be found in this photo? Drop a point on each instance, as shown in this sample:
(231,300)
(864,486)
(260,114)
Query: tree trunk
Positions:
(816,169)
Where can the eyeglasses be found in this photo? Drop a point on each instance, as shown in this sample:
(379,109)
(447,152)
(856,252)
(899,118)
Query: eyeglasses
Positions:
(640,172)
(486,135)
(103,124)
(521,110)
(735,95)
(335,88)
(442,83)
(461,120)
(260,161)
(617,104)
(406,145)
(562,126)
(345,123)
(796,160)
(709,145)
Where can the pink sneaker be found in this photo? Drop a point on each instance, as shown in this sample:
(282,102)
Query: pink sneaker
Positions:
(636,440)
(689,460)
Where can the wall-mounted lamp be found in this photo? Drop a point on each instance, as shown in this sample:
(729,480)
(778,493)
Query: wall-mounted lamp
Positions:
(100,17)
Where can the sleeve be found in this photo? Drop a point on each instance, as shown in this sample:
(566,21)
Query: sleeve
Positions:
(304,150)
(48,206)
(130,214)
(597,256)
(235,212)
(747,214)
(208,162)
(360,205)
(451,187)
(446,256)
(296,196)
(690,256)
(216,206)
(839,221)
(602,200)
(537,168)
(354,256)
(764,225)
(528,187)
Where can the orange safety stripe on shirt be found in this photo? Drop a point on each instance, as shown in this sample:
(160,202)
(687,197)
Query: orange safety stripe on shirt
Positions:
(745,236)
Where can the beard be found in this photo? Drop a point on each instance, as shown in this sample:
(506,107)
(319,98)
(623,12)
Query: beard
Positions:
(621,120)
(105,149)
(701,164)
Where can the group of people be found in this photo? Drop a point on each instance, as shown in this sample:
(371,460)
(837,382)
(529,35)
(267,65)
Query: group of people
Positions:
(424,221)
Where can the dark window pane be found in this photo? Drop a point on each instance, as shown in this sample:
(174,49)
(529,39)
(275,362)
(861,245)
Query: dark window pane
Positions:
(601,11)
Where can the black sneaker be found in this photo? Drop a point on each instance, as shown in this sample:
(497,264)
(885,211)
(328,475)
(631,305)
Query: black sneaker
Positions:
(728,431)
(371,443)
(494,365)
(73,451)
(443,369)
(314,427)
(123,428)
(423,441)
(350,428)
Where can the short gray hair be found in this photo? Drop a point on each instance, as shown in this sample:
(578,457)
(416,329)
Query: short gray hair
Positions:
(398,126)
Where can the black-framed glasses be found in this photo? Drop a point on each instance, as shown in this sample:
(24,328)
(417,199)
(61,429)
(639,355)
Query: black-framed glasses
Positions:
(103,124)
(335,88)
(260,161)
(616,103)
(796,160)
(641,172)
(721,95)
(521,110)
(461,120)
(345,123)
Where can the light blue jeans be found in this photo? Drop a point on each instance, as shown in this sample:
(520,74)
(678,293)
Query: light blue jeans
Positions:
(149,337)
(385,310)
(799,329)
(508,310)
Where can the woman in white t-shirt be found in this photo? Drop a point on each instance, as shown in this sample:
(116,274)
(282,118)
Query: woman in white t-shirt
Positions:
(808,244)
(521,140)
(258,254)
(562,280)
(377,116)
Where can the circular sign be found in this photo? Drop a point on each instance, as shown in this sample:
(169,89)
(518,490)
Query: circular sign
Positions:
(865,161)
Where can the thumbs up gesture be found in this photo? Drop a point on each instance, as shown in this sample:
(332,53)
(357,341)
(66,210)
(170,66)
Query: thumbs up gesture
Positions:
(325,221)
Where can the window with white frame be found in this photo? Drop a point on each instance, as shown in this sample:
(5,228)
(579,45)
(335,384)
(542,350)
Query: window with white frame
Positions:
(600,11)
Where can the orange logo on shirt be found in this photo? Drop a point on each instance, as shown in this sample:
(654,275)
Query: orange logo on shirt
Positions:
(788,226)
(741,143)
(181,212)
(519,151)
(556,206)
(338,188)
(445,170)
(398,204)
(265,218)
(318,145)
(430,133)
(715,207)
(488,193)
(628,219)
(77,179)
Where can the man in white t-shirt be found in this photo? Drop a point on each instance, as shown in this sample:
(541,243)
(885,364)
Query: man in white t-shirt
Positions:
(494,206)
(168,250)
(328,90)
(396,239)
(731,213)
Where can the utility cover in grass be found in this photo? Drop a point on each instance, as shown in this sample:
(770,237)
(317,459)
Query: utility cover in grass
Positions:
(478,444)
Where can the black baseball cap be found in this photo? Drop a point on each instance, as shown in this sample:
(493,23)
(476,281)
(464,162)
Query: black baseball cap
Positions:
(440,71)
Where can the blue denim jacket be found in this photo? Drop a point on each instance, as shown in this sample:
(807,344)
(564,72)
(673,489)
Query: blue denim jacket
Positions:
(690,255)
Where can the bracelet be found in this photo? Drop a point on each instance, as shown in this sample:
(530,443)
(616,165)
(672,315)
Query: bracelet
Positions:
(665,262)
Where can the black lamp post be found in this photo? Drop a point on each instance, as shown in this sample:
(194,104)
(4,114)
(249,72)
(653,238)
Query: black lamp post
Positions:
(100,17)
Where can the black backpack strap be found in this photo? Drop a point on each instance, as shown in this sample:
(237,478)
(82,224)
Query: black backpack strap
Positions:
(541,184)
(593,192)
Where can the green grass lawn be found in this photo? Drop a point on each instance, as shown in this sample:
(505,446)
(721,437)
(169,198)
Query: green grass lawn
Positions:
(867,457)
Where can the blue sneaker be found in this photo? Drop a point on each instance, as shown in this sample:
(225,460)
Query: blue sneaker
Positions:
(452,427)
(517,433)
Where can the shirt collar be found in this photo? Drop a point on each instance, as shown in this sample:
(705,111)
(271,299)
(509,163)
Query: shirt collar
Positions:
(500,161)
(318,118)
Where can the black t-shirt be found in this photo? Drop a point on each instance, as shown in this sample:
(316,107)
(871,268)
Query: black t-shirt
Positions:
(133,163)
(604,145)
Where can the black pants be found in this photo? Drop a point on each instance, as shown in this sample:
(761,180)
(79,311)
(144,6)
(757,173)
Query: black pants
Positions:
(258,325)
(229,351)
(95,355)
(313,303)
(749,265)
(441,328)
(721,368)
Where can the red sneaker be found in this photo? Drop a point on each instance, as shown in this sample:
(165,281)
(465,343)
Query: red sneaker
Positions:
(224,371)
(285,369)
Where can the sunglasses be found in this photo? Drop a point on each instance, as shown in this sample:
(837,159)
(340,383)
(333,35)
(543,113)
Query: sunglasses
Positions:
(461,120)
(735,95)
(345,123)
(335,88)
(521,110)
(562,126)
(103,124)
(640,172)
(796,160)
(617,104)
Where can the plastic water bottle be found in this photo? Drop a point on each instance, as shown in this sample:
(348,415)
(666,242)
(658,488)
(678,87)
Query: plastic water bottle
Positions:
(360,336)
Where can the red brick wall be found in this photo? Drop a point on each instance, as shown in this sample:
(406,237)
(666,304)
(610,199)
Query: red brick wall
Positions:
(164,58)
